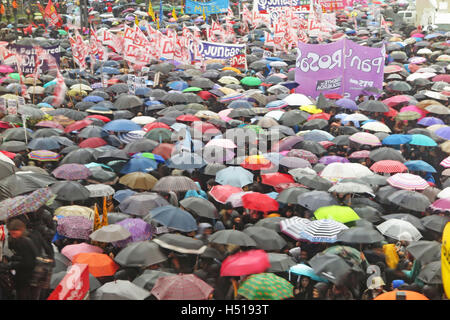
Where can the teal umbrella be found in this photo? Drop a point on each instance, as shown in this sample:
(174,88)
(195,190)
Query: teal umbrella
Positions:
(419,165)
(422,140)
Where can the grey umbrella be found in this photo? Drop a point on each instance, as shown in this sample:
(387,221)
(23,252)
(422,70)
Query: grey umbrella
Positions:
(270,223)
(425,251)
(61,262)
(313,200)
(70,191)
(93,131)
(331,267)
(410,200)
(30,112)
(140,254)
(384,192)
(416,222)
(13,146)
(312,146)
(25,181)
(373,106)
(140,204)
(212,168)
(201,82)
(360,235)
(280,262)
(120,290)
(101,175)
(157,93)
(56,278)
(174,97)
(315,124)
(232,237)
(164,67)
(46,132)
(290,195)
(7,169)
(180,243)
(366,212)
(148,279)
(266,239)
(315,182)
(81,156)
(435,223)
(386,153)
(127,101)
(110,233)
(143,145)
(361,202)
(175,183)
(69,113)
(16,134)
(200,206)
(117,88)
(431,273)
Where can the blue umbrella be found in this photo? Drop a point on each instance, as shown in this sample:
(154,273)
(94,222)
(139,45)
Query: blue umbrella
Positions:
(397,139)
(123,194)
(93,98)
(274,157)
(156,157)
(429,121)
(347,104)
(443,133)
(186,161)
(234,176)
(50,83)
(307,271)
(44,144)
(318,135)
(240,104)
(276,104)
(95,164)
(422,140)
(100,109)
(107,70)
(173,218)
(139,164)
(419,165)
(142,91)
(111,63)
(289,84)
(178,85)
(121,125)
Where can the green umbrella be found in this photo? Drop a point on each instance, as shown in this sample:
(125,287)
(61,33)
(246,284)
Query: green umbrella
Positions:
(266,286)
(14,76)
(192,89)
(62,32)
(159,135)
(337,213)
(255,128)
(251,81)
(408,115)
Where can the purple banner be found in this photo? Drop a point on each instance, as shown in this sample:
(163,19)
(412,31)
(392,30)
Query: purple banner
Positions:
(343,67)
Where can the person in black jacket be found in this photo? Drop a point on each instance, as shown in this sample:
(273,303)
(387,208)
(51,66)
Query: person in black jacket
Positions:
(23,261)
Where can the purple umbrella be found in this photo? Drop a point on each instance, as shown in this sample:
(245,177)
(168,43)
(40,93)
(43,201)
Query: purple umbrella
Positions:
(347,104)
(429,121)
(75,227)
(443,133)
(286,143)
(72,171)
(303,154)
(139,229)
(331,159)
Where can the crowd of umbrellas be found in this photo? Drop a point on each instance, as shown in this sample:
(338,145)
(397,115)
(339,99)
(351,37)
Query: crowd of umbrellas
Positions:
(339,182)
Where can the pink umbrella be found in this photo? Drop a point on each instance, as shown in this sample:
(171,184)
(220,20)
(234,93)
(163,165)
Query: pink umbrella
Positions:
(360,154)
(393,101)
(414,109)
(236,199)
(49,124)
(181,287)
(418,35)
(224,143)
(441,205)
(446,162)
(417,60)
(222,193)
(407,181)
(365,138)
(224,115)
(6,69)
(70,251)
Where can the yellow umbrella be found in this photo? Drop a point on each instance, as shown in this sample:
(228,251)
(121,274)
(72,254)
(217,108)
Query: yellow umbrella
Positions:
(213,61)
(445,147)
(75,211)
(232,69)
(311,109)
(10,96)
(81,87)
(228,91)
(75,92)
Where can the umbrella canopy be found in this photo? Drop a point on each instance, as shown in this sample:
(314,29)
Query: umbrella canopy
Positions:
(70,191)
(324,230)
(99,264)
(180,243)
(245,263)
(293,226)
(120,290)
(70,251)
(360,235)
(181,287)
(148,279)
(140,254)
(138,180)
(200,207)
(75,227)
(110,233)
(314,200)
(261,287)
(410,200)
(307,271)
(393,295)
(330,266)
(259,202)
(173,217)
(399,230)
(425,251)
(338,213)
(267,240)
(407,181)
(72,171)
(235,237)
(175,183)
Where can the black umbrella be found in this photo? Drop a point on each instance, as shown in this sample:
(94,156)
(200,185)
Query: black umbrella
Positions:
(25,181)
(270,223)
(174,97)
(435,222)
(360,235)
(290,195)
(366,212)
(148,279)
(401,86)
(331,267)
(46,132)
(280,262)
(425,251)
(57,277)
(232,237)
(93,131)
(81,156)
(13,146)
(140,204)
(69,113)
(127,101)
(315,182)
(410,200)
(16,134)
(373,106)
(386,153)
(180,243)
(117,88)
(266,239)
(314,200)
(7,169)
(140,254)
(143,145)
(200,207)
(315,124)
(114,217)
(431,273)
(311,146)
(70,191)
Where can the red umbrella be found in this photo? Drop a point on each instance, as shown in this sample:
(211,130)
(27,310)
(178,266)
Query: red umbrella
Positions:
(155,125)
(256,162)
(322,115)
(99,117)
(93,142)
(395,100)
(164,150)
(222,193)
(274,179)
(78,125)
(205,95)
(8,154)
(333,96)
(388,166)
(391,113)
(245,263)
(326,144)
(259,202)
(442,77)
(205,127)
(5,125)
(187,117)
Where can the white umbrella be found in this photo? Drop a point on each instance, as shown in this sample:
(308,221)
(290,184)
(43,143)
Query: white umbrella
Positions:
(336,171)
(80,87)
(275,114)
(399,230)
(351,187)
(297,99)
(100,190)
(420,75)
(6,159)
(376,126)
(444,193)
(143,120)
(356,117)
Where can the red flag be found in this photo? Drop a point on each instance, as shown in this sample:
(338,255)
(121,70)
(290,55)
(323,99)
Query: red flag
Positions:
(74,285)
(51,15)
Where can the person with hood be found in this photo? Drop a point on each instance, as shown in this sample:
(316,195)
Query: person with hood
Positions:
(320,291)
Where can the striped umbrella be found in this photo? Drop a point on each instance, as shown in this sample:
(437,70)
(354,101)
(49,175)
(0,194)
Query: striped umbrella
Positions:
(293,226)
(388,166)
(230,97)
(44,155)
(175,183)
(324,230)
(446,162)
(407,181)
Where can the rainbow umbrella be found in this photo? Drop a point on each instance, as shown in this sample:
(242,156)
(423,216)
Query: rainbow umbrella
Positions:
(44,155)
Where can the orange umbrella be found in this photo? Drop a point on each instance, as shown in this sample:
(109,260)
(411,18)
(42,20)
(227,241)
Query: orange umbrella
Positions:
(410,295)
(100,264)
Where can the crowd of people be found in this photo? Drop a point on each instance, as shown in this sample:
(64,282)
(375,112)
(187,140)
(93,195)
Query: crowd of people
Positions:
(226,181)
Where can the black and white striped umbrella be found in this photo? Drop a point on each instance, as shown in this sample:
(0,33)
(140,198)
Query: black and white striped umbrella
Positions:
(294,226)
(324,230)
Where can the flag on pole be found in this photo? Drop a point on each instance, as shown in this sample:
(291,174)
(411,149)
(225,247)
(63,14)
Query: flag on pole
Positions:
(105,213)
(151,13)
(136,21)
(204,14)
(97,221)
(174,14)
(160,12)
(157,23)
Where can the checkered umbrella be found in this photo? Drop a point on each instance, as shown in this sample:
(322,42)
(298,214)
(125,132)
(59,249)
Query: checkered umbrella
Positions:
(181,287)
(266,286)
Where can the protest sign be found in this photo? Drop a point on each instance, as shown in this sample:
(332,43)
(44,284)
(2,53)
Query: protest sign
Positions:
(12,106)
(209,7)
(278,8)
(213,50)
(28,55)
(343,67)
(74,285)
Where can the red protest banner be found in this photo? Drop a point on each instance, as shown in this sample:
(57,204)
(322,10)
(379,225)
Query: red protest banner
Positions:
(239,61)
(74,285)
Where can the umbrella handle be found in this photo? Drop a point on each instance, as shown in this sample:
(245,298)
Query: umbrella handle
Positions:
(235,287)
